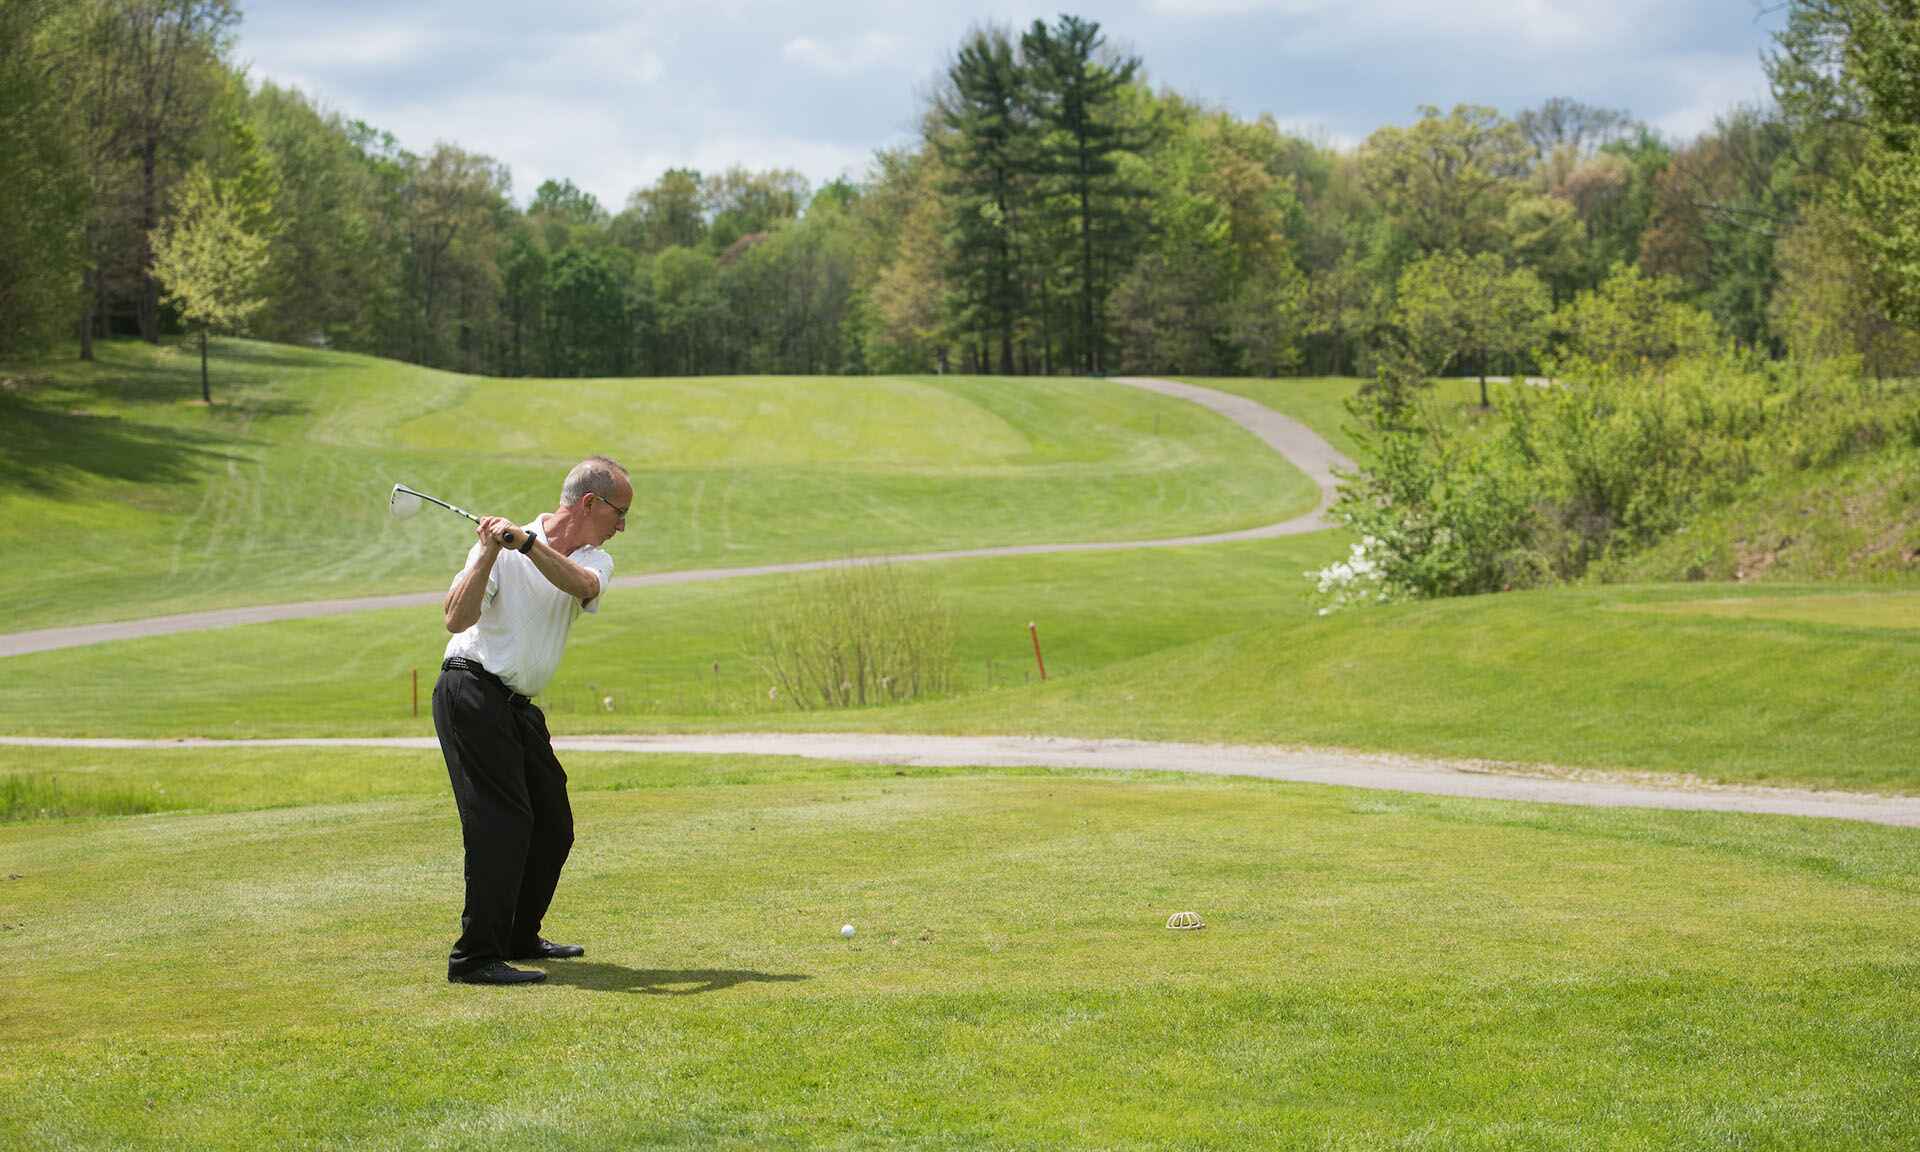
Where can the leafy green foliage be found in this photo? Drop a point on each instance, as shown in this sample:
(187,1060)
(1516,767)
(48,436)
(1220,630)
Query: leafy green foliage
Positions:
(1605,463)
(1633,321)
(208,261)
(1470,309)
(40,229)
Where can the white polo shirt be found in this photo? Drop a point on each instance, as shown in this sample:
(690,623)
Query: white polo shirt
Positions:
(524,619)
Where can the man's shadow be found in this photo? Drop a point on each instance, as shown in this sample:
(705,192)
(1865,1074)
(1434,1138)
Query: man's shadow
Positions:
(657,981)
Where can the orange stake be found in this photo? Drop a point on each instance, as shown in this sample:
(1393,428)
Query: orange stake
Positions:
(1033,630)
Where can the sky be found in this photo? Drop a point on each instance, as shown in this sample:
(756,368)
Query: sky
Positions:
(611,94)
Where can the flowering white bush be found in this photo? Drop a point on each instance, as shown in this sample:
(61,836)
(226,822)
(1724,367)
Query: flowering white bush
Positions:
(1359,579)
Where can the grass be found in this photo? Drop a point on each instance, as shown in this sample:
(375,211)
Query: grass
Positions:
(1804,685)
(1379,971)
(242,948)
(145,501)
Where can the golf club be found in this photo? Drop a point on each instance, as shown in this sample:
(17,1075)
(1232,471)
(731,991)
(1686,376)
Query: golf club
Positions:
(404,502)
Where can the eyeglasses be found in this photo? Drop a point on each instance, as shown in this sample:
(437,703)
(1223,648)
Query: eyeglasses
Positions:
(619,513)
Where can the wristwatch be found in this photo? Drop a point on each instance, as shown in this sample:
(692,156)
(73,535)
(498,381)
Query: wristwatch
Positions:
(525,545)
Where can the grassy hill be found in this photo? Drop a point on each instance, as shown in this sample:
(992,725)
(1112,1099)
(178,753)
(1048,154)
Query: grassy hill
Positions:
(140,500)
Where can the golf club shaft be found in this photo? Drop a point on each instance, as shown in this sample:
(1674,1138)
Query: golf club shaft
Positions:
(444,504)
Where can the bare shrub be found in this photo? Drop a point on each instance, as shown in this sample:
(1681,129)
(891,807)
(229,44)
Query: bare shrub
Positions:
(854,636)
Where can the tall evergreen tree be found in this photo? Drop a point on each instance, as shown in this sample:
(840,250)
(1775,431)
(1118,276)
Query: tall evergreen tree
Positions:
(1076,89)
(984,142)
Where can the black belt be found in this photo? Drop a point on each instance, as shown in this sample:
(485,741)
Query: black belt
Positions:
(462,664)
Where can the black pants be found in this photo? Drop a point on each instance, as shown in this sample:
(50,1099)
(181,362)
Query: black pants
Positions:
(515,821)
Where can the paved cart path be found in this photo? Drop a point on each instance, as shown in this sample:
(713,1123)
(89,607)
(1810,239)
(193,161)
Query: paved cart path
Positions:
(1307,765)
(1299,444)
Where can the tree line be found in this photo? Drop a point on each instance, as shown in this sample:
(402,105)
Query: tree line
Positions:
(1056,214)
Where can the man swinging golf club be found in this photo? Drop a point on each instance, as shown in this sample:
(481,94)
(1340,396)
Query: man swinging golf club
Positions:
(510,610)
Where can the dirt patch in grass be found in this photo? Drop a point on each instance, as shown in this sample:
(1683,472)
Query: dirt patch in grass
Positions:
(1895,610)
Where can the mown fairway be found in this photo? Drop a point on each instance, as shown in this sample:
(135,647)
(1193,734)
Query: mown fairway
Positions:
(144,501)
(1378,970)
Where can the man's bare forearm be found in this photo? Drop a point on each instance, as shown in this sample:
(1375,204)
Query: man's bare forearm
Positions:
(469,592)
(579,582)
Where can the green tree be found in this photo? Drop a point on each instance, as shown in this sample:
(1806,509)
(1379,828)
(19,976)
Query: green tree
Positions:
(1544,234)
(1446,179)
(741,203)
(906,323)
(1852,68)
(455,208)
(524,286)
(1825,308)
(688,309)
(981,133)
(1716,210)
(565,214)
(1076,94)
(1632,322)
(44,182)
(1578,128)
(333,269)
(587,313)
(1215,262)
(1455,307)
(209,263)
(670,213)
(175,50)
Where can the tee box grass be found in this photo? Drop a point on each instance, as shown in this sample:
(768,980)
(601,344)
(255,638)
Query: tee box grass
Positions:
(1383,971)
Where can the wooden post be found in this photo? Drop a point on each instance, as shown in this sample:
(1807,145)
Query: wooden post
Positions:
(1033,630)
(416,693)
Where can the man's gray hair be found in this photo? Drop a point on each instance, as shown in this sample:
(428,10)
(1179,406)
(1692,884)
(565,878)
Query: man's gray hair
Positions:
(596,474)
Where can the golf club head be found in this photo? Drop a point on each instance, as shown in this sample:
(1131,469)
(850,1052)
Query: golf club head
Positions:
(404,502)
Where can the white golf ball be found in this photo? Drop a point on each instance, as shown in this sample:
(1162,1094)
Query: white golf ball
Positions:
(847,931)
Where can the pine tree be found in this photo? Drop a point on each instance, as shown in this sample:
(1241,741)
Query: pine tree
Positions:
(1075,96)
(983,139)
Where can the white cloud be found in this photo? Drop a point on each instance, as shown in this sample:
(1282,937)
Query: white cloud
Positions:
(1711,86)
(846,56)
(1538,24)
(624,55)
(387,45)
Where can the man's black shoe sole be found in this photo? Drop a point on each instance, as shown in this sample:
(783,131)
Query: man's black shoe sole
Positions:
(524,978)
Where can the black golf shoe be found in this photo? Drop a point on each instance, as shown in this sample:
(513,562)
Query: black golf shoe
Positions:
(498,972)
(545,949)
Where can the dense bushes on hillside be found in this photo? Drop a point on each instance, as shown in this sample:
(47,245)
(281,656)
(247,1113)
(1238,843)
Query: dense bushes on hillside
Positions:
(1604,463)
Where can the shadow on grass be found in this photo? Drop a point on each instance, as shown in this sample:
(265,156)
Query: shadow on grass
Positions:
(43,448)
(657,982)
